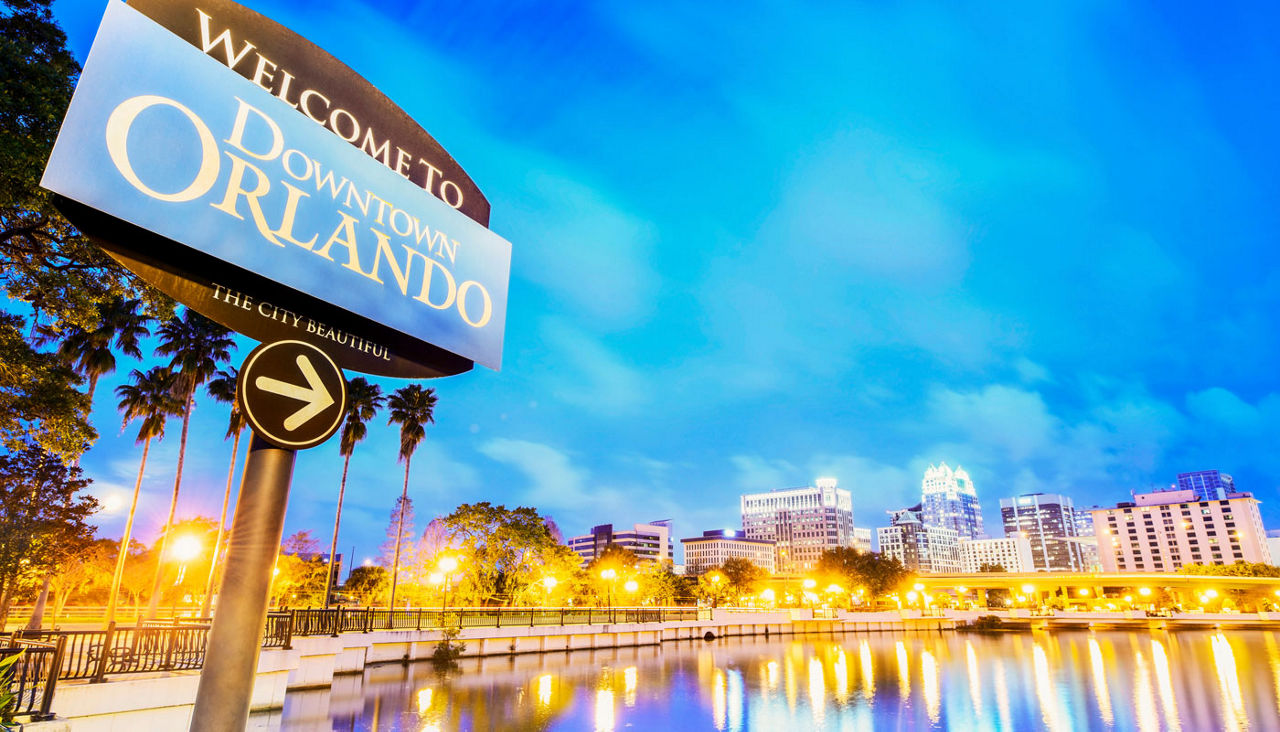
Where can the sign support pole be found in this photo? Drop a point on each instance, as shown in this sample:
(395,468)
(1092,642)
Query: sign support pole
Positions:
(235,638)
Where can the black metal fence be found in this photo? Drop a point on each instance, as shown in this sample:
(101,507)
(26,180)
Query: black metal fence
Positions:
(93,654)
(35,675)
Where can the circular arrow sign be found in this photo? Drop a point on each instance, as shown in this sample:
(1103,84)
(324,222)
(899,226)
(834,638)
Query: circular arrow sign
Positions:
(292,393)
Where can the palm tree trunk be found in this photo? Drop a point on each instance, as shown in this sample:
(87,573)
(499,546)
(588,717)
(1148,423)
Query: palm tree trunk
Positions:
(206,604)
(124,541)
(154,603)
(404,499)
(337,521)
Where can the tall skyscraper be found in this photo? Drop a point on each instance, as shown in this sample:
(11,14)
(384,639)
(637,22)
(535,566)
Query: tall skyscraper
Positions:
(1208,485)
(1048,520)
(920,546)
(802,522)
(949,501)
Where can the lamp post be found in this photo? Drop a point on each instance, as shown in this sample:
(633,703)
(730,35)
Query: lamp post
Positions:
(549,584)
(186,548)
(608,575)
(447,565)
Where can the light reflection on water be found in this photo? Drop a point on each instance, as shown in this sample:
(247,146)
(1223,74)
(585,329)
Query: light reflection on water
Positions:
(1115,680)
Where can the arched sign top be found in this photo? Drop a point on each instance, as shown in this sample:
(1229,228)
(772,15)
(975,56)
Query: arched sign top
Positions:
(319,86)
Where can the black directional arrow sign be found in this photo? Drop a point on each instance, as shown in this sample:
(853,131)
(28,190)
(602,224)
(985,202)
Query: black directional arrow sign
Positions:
(292,393)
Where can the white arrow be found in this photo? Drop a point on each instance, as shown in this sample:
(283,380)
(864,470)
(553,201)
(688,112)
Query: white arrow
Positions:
(314,394)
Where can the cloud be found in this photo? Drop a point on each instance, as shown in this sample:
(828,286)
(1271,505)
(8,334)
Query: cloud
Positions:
(755,473)
(1010,418)
(587,374)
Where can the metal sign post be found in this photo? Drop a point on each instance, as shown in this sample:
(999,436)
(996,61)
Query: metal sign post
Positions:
(231,664)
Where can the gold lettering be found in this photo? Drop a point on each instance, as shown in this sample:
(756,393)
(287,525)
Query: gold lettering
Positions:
(236,191)
(285,231)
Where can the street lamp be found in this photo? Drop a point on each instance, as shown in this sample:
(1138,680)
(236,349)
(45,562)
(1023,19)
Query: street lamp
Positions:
(549,584)
(631,587)
(447,566)
(609,575)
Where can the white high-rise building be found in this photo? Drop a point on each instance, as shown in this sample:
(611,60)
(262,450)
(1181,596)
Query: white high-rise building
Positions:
(801,522)
(919,546)
(1013,553)
(650,542)
(949,501)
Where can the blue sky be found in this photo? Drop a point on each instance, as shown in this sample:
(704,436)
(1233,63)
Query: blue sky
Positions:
(755,244)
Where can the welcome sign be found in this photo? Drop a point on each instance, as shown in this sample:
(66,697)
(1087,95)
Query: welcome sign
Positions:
(222,194)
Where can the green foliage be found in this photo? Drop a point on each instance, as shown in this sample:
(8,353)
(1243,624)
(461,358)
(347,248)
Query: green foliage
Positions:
(363,402)
(149,397)
(43,517)
(987,622)
(43,259)
(449,649)
(8,700)
(987,568)
(413,408)
(503,550)
(367,584)
(38,399)
(877,574)
(1240,568)
(222,387)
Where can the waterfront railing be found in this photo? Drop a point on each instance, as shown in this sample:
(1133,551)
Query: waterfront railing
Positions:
(34,675)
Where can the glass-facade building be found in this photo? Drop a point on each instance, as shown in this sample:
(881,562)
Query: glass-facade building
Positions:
(949,501)
(1048,520)
(1208,485)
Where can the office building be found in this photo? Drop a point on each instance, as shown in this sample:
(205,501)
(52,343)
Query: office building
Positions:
(948,500)
(1012,553)
(714,547)
(1088,542)
(801,522)
(650,542)
(1162,531)
(1273,545)
(1208,485)
(862,540)
(1048,521)
(918,545)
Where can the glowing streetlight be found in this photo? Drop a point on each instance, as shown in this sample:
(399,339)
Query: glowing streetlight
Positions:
(1083,591)
(1144,591)
(918,587)
(809,584)
(185,548)
(767,595)
(609,576)
(1028,589)
(631,586)
(446,565)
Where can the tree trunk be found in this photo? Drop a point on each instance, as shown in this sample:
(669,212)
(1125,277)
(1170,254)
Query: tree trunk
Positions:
(337,521)
(37,612)
(4,604)
(124,541)
(207,603)
(154,603)
(395,565)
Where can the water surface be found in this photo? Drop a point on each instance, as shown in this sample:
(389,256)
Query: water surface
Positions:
(1186,680)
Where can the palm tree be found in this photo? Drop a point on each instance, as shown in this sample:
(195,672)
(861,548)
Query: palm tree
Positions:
(196,346)
(412,408)
(223,389)
(90,351)
(363,402)
(148,397)
(89,354)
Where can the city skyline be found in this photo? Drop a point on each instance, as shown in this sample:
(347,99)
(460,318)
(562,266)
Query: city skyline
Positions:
(846,299)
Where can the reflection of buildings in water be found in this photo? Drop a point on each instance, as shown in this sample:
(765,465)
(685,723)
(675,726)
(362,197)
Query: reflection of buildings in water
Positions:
(817,691)
(1187,680)
(904,672)
(1099,672)
(975,679)
(1164,685)
(868,672)
(929,677)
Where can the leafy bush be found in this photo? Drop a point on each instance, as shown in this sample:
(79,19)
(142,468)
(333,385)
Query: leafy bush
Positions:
(449,649)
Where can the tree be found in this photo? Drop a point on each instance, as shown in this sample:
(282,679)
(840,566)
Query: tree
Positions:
(505,550)
(300,544)
(43,517)
(222,387)
(744,577)
(148,397)
(989,568)
(413,408)
(82,572)
(875,573)
(196,346)
(91,351)
(363,402)
(38,399)
(1240,568)
(397,550)
(43,260)
(367,584)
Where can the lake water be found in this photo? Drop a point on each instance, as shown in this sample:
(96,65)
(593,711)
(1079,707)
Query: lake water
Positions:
(1186,680)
